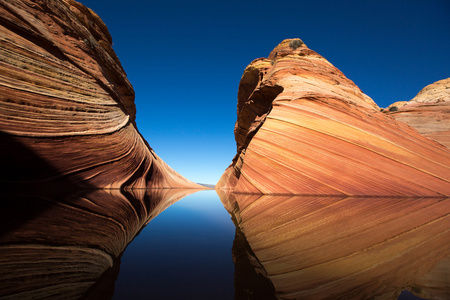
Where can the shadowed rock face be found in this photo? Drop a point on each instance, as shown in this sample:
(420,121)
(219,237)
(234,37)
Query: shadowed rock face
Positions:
(68,246)
(304,128)
(340,247)
(428,112)
(65,98)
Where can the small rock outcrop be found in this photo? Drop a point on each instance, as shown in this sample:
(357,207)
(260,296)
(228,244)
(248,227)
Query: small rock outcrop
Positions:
(304,128)
(428,112)
(66,106)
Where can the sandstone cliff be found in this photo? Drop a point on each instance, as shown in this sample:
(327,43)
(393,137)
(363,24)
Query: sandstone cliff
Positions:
(304,128)
(67,107)
(428,112)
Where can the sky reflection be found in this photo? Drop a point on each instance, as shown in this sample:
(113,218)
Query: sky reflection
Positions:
(184,253)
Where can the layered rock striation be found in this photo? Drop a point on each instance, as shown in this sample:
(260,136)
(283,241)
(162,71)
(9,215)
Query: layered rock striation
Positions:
(428,112)
(306,247)
(68,246)
(66,106)
(304,128)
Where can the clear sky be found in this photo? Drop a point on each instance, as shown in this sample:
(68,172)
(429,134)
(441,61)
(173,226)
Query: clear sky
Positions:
(185,60)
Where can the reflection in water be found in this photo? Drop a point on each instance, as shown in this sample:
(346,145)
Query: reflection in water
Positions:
(69,246)
(340,248)
(184,253)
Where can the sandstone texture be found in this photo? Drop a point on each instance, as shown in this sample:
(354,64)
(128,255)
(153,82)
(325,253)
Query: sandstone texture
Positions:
(66,106)
(304,128)
(68,246)
(341,247)
(428,112)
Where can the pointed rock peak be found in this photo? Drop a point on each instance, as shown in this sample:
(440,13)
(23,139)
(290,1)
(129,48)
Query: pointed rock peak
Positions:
(304,128)
(286,47)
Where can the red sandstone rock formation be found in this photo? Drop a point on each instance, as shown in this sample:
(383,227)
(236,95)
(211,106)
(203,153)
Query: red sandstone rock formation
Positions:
(304,128)
(428,112)
(67,107)
(343,247)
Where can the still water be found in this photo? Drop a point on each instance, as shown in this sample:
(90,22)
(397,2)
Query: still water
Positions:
(183,244)
(184,253)
(302,247)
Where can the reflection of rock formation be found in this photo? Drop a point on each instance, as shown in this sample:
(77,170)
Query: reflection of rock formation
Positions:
(428,112)
(68,247)
(65,98)
(346,248)
(250,277)
(435,284)
(304,128)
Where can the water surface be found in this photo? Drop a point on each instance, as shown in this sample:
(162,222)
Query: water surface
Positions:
(184,253)
(177,244)
(301,247)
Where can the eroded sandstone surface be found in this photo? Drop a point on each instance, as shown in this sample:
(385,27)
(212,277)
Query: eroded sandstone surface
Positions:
(428,112)
(304,128)
(66,106)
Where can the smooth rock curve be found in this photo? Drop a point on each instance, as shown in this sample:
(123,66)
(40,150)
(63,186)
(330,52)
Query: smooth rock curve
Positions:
(304,128)
(66,106)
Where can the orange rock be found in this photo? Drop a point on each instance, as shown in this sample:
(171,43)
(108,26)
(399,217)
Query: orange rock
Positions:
(343,247)
(304,128)
(67,107)
(428,112)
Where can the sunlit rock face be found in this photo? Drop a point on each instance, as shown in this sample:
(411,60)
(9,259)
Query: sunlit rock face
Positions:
(316,247)
(304,128)
(68,246)
(428,112)
(66,103)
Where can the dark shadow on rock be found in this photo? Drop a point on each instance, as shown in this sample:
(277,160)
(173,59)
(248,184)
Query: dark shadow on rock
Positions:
(23,169)
(24,178)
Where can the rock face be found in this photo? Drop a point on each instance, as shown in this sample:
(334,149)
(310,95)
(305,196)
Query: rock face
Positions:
(341,247)
(304,128)
(68,246)
(428,112)
(66,106)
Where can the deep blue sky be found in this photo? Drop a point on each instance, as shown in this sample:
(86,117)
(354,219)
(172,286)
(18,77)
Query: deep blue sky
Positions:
(185,60)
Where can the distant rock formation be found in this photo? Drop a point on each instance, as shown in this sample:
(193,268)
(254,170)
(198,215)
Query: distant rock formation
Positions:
(66,106)
(304,128)
(306,247)
(428,112)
